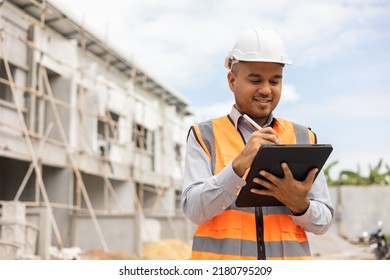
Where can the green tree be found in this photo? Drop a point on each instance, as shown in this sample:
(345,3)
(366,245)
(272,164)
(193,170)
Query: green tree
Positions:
(348,177)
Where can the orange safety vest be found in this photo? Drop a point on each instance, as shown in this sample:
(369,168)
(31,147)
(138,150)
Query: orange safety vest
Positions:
(248,233)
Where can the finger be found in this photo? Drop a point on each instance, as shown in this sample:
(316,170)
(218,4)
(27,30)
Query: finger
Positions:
(310,177)
(268,135)
(273,138)
(261,191)
(286,171)
(264,183)
(268,176)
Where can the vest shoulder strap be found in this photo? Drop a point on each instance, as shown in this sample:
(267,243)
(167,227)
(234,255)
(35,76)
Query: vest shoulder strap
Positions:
(200,130)
(205,136)
(303,134)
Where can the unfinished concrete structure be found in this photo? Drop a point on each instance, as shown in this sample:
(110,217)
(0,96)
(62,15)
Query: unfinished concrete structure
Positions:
(89,143)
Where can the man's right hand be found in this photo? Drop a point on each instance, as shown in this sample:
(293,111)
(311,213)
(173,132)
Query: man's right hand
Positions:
(260,137)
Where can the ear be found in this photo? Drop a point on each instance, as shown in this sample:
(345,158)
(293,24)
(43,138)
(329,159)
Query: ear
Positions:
(231,80)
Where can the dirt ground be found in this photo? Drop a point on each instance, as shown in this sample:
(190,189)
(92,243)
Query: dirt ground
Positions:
(333,247)
(168,249)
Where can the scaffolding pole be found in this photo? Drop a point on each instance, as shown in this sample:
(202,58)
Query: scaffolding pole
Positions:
(31,167)
(33,155)
(72,160)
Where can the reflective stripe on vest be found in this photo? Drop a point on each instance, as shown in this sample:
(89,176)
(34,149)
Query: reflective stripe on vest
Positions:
(232,234)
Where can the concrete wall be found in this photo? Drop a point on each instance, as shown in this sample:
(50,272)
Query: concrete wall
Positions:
(359,208)
(59,187)
(177,227)
(119,231)
(123,233)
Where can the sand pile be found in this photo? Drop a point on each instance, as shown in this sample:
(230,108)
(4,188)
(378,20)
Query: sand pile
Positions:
(167,249)
(101,255)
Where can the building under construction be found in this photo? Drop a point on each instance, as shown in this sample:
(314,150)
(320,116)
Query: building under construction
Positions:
(91,146)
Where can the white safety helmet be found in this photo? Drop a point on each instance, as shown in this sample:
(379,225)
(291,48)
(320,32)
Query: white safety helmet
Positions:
(260,44)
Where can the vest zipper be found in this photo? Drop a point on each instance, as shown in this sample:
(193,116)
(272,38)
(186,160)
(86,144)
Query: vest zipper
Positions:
(260,233)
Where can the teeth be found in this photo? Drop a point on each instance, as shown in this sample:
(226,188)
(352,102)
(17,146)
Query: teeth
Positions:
(262,98)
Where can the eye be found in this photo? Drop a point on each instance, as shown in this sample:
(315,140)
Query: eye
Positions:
(274,82)
(255,82)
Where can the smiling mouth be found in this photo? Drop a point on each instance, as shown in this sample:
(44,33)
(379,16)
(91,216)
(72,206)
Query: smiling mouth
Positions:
(262,100)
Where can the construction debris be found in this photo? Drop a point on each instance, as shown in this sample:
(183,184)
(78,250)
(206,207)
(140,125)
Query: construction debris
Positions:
(72,253)
(18,239)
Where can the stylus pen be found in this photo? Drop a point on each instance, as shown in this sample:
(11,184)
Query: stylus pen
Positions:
(252,122)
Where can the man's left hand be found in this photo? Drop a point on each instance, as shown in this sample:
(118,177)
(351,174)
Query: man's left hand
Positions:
(292,193)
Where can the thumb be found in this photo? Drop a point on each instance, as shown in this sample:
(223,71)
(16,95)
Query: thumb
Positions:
(310,177)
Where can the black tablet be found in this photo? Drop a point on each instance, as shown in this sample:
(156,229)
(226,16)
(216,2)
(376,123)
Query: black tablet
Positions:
(301,158)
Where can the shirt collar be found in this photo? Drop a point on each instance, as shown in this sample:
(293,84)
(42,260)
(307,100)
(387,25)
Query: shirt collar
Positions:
(236,117)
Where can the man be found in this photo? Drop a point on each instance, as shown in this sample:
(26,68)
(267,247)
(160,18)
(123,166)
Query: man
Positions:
(220,151)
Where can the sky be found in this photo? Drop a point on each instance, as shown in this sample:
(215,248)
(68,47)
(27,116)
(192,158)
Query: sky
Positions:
(339,83)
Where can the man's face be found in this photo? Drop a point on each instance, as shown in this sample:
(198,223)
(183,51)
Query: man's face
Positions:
(257,88)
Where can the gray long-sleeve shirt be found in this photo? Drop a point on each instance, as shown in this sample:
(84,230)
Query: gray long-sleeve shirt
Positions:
(206,195)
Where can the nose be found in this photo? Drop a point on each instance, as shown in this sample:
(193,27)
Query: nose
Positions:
(264,88)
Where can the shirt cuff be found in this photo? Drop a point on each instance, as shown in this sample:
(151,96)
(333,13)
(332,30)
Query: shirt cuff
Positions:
(302,219)
(229,180)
